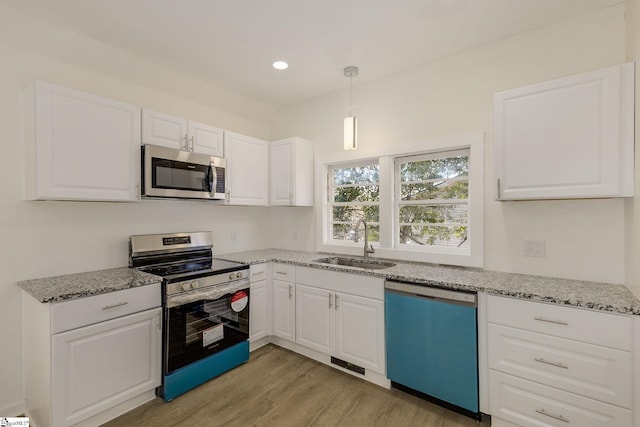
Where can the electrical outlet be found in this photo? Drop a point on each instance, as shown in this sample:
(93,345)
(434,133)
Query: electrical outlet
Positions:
(234,237)
(534,248)
(295,236)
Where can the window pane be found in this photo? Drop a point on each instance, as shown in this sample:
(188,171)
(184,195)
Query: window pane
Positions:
(356,175)
(435,190)
(449,167)
(346,232)
(438,235)
(365,193)
(353,213)
(433,214)
(342,232)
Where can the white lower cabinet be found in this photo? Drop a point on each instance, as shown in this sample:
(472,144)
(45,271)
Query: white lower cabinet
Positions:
(551,365)
(359,333)
(528,403)
(92,359)
(284,301)
(98,366)
(346,326)
(315,319)
(260,305)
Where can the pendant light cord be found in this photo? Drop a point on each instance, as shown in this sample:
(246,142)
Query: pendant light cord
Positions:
(350,93)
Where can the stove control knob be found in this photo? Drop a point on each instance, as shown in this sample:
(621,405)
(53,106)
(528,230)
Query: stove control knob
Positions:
(239,275)
(195,284)
(186,286)
(232,276)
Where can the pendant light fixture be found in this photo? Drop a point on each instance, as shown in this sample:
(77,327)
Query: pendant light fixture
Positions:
(350,122)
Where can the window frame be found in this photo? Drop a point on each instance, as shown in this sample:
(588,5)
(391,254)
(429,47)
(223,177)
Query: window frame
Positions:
(398,203)
(386,155)
(330,203)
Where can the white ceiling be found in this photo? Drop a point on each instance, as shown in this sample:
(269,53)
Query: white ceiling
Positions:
(232,43)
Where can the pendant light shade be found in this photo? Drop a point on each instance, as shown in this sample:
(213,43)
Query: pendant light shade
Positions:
(350,133)
(350,122)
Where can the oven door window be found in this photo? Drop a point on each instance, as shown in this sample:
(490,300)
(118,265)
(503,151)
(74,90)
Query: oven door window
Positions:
(175,175)
(199,329)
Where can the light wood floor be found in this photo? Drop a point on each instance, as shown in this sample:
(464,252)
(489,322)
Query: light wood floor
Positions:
(280,388)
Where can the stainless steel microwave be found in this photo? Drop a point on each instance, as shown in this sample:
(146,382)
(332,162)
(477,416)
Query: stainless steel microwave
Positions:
(177,174)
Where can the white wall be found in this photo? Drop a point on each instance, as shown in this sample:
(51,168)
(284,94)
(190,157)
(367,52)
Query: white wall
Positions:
(42,239)
(584,238)
(633,205)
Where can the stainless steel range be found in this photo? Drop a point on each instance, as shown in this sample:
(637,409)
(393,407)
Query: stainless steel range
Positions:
(205,304)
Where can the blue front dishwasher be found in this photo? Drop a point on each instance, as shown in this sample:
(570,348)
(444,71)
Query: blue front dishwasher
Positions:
(432,344)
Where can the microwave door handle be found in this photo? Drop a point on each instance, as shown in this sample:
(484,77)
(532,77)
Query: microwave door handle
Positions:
(213,178)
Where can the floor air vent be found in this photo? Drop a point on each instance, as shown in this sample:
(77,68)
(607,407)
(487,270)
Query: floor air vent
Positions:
(347,365)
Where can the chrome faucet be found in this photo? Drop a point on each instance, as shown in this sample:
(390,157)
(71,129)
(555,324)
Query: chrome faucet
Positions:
(368,249)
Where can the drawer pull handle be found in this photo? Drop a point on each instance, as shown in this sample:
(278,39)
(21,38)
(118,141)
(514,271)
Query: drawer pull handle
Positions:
(281,272)
(257,272)
(120,304)
(557,322)
(546,362)
(556,417)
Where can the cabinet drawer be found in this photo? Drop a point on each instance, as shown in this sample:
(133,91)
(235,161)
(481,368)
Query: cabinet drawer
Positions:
(561,321)
(285,272)
(529,404)
(258,272)
(86,311)
(598,372)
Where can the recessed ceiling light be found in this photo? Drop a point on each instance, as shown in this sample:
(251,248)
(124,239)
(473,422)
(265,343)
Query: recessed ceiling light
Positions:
(280,65)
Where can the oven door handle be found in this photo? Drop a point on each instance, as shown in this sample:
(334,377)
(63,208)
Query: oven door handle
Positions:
(212,294)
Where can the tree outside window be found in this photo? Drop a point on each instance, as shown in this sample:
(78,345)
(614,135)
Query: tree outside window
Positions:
(354,193)
(432,200)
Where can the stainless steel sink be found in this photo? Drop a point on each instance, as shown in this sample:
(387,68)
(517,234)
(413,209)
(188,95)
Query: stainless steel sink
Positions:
(355,262)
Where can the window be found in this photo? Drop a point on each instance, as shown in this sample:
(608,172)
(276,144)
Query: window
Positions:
(431,201)
(354,193)
(423,203)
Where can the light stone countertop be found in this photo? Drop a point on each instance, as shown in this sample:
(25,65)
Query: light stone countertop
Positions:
(590,295)
(72,286)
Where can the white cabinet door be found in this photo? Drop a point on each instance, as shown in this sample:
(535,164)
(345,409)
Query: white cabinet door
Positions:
(292,172)
(164,130)
(259,311)
(205,139)
(314,318)
(282,153)
(81,146)
(99,366)
(360,331)
(567,138)
(247,169)
(284,309)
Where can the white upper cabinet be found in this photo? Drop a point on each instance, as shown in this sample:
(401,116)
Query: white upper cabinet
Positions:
(247,169)
(567,138)
(205,139)
(80,146)
(292,172)
(181,134)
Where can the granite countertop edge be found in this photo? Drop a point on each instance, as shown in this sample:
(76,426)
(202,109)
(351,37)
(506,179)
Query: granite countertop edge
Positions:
(608,297)
(73,286)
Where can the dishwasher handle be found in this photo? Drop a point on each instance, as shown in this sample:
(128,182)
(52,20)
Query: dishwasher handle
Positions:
(444,295)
